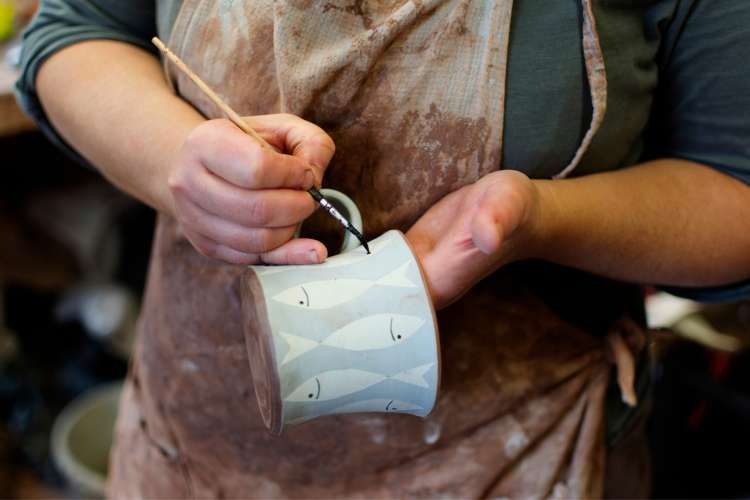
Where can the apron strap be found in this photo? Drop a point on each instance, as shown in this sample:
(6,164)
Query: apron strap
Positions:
(597,76)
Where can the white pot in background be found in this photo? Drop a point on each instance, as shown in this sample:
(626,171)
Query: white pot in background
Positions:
(82,437)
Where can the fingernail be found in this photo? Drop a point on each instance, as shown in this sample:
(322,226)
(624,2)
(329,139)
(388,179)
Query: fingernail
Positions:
(312,257)
(309,179)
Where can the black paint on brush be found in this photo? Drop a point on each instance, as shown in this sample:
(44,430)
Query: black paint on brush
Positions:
(337,215)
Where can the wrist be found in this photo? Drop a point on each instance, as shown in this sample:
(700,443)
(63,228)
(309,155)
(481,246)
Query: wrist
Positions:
(541,221)
(174,157)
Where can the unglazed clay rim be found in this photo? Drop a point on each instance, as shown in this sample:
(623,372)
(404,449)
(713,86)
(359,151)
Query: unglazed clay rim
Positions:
(426,290)
(264,368)
(81,475)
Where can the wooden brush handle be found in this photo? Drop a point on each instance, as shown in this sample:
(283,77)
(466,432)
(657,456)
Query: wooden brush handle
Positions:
(231,114)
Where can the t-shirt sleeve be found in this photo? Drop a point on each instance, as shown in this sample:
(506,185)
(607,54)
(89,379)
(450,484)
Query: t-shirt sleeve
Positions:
(702,104)
(60,23)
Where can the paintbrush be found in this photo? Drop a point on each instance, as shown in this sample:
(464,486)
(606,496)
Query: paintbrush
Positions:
(237,120)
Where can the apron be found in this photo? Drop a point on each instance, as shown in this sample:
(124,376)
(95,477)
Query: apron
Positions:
(413,94)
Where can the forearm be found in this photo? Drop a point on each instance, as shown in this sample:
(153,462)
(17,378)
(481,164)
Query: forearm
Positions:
(110,101)
(669,222)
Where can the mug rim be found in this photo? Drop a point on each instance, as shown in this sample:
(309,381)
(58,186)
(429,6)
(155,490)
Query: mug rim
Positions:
(259,345)
(433,313)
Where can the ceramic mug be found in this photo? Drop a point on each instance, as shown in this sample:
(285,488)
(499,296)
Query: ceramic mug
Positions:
(354,334)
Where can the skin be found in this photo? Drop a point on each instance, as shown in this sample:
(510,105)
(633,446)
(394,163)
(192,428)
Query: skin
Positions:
(233,200)
(669,221)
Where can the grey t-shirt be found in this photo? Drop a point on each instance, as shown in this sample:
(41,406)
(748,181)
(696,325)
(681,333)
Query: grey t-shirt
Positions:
(677,78)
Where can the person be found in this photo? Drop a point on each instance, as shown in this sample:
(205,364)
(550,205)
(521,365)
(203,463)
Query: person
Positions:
(543,159)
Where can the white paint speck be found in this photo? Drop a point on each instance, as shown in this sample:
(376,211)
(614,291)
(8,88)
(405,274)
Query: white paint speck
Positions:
(376,429)
(432,431)
(188,366)
(515,443)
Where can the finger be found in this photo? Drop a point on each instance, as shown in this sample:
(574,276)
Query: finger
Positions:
(430,228)
(231,154)
(297,251)
(298,137)
(250,208)
(214,250)
(227,233)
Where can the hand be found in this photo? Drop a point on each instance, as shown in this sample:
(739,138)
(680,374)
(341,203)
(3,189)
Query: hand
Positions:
(241,203)
(474,230)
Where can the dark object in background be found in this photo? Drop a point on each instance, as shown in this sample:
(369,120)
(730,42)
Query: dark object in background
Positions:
(71,232)
(55,362)
(700,425)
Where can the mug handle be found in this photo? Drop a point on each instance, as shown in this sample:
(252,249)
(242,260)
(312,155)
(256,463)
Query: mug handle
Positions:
(348,209)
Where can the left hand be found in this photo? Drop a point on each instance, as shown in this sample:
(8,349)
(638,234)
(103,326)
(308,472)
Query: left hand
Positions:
(475,230)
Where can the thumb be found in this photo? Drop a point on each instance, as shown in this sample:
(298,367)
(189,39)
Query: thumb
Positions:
(486,232)
(316,151)
(500,211)
(487,224)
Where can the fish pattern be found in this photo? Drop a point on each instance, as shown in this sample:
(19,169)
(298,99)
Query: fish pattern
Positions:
(383,405)
(324,294)
(334,384)
(378,331)
(358,339)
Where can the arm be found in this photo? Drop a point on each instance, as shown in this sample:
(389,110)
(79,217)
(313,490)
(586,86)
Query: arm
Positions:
(87,71)
(119,113)
(667,221)
(233,200)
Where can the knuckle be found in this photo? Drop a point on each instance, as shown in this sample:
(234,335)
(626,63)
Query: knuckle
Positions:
(254,175)
(208,249)
(193,139)
(259,212)
(253,259)
(197,136)
(178,185)
(257,169)
(205,134)
(218,126)
(185,211)
(242,258)
(326,142)
(262,241)
(236,260)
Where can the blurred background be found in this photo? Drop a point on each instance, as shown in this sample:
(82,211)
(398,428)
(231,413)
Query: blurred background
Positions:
(73,258)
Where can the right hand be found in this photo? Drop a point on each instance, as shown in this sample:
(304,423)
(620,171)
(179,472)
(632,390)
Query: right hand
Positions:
(240,203)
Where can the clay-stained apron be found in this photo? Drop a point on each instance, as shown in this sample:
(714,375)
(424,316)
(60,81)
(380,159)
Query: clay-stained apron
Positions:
(413,94)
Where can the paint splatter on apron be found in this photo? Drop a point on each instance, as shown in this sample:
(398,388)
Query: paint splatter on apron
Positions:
(413,94)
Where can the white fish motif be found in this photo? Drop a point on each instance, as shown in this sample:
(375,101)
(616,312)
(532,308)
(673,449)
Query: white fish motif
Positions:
(414,376)
(297,346)
(342,259)
(374,332)
(334,384)
(378,331)
(383,405)
(328,293)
